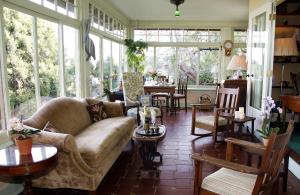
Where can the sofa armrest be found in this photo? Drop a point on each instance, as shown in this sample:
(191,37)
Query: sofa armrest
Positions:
(113,109)
(63,142)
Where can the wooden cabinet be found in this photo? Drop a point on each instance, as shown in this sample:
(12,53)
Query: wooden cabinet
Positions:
(242,85)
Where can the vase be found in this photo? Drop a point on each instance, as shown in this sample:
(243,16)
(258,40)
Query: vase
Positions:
(265,141)
(24,145)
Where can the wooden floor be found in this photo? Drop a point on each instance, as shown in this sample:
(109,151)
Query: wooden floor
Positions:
(176,170)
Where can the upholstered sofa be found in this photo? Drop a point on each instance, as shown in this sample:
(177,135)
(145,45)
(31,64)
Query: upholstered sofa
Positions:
(86,150)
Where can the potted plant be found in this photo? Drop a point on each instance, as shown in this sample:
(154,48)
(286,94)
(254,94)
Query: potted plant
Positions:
(23,137)
(266,130)
(135,54)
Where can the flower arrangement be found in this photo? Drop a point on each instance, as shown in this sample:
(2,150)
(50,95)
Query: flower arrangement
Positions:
(152,73)
(266,130)
(17,128)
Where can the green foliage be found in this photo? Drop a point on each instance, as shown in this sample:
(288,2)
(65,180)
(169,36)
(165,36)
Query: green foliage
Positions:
(135,54)
(266,130)
(19,48)
(24,133)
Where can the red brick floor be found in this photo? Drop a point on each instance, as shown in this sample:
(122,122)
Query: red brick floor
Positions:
(176,170)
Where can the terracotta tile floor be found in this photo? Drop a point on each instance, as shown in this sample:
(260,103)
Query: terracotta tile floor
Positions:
(176,170)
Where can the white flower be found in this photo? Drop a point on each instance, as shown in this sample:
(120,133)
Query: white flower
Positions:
(279,110)
(269,98)
(16,124)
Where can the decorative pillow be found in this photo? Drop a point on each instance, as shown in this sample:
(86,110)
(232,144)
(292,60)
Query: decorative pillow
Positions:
(49,127)
(96,112)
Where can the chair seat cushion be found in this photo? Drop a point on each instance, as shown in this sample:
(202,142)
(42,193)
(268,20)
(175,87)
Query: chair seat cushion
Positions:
(229,182)
(160,95)
(178,95)
(210,120)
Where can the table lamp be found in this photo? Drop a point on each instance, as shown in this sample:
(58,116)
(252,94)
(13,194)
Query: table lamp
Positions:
(238,63)
(285,47)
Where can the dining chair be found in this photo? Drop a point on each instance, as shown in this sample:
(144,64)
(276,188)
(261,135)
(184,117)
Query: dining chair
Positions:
(133,89)
(181,93)
(219,120)
(235,178)
(165,97)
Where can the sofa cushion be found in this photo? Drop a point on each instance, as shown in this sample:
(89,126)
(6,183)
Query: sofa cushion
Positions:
(96,112)
(112,109)
(69,115)
(97,140)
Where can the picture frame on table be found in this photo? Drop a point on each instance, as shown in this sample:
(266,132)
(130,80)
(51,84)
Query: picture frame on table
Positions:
(146,100)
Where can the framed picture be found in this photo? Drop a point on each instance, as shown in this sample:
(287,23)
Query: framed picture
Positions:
(145,100)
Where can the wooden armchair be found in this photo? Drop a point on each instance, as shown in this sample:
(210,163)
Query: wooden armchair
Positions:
(235,178)
(226,101)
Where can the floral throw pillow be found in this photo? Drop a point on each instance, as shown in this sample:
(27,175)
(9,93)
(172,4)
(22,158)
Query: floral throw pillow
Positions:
(96,112)
(50,128)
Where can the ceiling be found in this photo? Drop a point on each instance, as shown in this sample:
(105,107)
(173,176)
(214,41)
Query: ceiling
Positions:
(192,10)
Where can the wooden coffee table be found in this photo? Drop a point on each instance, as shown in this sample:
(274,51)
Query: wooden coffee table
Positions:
(148,150)
(42,159)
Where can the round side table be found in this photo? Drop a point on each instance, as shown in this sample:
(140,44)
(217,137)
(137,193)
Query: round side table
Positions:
(42,159)
(148,149)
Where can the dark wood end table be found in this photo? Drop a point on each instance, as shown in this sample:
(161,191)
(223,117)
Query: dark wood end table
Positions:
(42,159)
(241,122)
(148,150)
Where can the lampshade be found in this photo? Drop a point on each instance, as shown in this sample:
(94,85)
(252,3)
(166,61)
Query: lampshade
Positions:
(237,62)
(285,47)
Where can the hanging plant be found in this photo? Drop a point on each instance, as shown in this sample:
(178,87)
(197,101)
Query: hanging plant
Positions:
(135,54)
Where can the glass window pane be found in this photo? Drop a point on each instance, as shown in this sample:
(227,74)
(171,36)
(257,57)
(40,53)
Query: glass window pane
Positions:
(149,59)
(106,63)
(190,35)
(164,35)
(94,69)
(71,9)
(49,4)
(101,27)
(116,65)
(62,7)
(188,60)
(177,36)
(70,59)
(95,18)
(140,35)
(208,66)
(47,34)
(20,78)
(111,27)
(152,35)
(106,23)
(240,36)
(165,61)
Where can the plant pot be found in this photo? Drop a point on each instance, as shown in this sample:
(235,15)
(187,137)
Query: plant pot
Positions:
(265,141)
(24,145)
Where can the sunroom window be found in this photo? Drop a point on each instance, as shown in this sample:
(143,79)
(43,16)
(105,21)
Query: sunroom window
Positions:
(65,7)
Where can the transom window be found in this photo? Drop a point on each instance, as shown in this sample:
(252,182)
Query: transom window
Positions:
(106,23)
(240,36)
(178,35)
(65,7)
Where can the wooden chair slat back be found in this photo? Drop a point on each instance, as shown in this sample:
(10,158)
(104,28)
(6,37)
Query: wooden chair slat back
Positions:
(227,97)
(182,86)
(274,153)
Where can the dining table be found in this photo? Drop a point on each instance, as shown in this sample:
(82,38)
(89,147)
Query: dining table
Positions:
(149,89)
